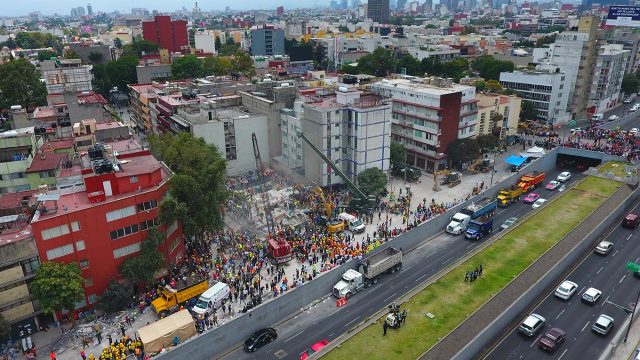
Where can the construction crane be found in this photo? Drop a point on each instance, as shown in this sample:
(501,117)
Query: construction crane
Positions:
(256,154)
(436,184)
(360,202)
(332,224)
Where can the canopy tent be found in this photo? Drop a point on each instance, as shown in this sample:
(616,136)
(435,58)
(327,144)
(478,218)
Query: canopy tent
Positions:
(516,160)
(161,333)
(534,152)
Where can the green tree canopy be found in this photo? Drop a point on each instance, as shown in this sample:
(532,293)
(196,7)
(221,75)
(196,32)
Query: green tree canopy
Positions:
(480,85)
(456,68)
(490,68)
(95,57)
(218,43)
(120,73)
(138,47)
(37,40)
(319,56)
(411,64)
(380,62)
(397,154)
(58,286)
(198,188)
(547,39)
(118,43)
(116,297)
(143,267)
(186,67)
(630,84)
(493,86)
(463,150)
(243,63)
(217,65)
(372,181)
(528,111)
(46,55)
(468,29)
(488,141)
(20,85)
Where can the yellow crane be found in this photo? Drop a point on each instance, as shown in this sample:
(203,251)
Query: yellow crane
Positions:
(332,226)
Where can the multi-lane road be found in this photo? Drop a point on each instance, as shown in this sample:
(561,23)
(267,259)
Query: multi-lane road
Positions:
(325,321)
(606,273)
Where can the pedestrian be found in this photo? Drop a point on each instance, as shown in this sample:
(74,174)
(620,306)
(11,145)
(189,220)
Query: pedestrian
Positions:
(110,339)
(52,355)
(466,277)
(215,320)
(384,328)
(99,337)
(83,355)
(480,270)
(229,308)
(122,329)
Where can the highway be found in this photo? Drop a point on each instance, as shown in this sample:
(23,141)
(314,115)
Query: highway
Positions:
(605,273)
(325,321)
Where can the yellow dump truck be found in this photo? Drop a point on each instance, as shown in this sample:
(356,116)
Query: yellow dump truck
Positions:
(170,299)
(509,195)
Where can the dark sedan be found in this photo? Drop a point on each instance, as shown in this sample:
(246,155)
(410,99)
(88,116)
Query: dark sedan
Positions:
(259,339)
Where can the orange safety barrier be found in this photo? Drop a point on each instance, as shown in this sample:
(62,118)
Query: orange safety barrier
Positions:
(341,302)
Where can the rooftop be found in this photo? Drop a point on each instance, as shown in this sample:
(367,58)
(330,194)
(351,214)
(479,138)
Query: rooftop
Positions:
(90,97)
(420,85)
(45,162)
(60,144)
(44,112)
(15,200)
(15,234)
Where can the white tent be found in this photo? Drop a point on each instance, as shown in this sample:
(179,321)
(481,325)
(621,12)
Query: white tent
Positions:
(534,152)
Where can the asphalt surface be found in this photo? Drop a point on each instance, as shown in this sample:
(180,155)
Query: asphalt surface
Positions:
(325,321)
(627,119)
(605,273)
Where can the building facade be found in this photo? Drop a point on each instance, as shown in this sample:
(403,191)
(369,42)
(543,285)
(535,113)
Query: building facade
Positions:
(610,66)
(378,10)
(168,34)
(66,75)
(267,41)
(428,115)
(490,105)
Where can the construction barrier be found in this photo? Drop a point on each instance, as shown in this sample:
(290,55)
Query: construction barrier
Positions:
(341,302)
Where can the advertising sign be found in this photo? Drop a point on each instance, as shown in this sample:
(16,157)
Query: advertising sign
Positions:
(621,15)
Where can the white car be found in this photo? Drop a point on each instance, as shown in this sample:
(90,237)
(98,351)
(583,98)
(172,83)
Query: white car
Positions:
(591,296)
(627,100)
(603,248)
(575,130)
(531,325)
(566,289)
(603,325)
(538,203)
(564,176)
(634,131)
(613,118)
(635,107)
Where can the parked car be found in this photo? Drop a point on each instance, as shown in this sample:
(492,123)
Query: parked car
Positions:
(313,349)
(531,325)
(259,339)
(564,176)
(603,248)
(508,223)
(603,325)
(531,198)
(552,339)
(538,203)
(566,289)
(591,296)
(627,100)
(552,185)
(575,130)
(634,131)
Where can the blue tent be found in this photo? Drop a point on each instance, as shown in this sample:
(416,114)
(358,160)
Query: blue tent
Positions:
(515,160)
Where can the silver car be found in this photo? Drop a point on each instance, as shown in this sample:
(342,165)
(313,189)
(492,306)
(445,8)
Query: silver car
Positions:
(531,325)
(603,325)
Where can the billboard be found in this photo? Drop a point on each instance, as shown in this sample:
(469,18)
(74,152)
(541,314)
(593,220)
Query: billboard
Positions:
(621,15)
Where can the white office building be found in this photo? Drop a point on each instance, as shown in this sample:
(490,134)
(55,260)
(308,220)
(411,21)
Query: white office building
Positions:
(610,65)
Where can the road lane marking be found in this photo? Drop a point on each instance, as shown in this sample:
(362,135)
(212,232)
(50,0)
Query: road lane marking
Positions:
(564,352)
(638,259)
(294,336)
(330,335)
(420,278)
(536,341)
(468,247)
(394,294)
(598,272)
(629,237)
(449,259)
(334,311)
(620,282)
(614,254)
(561,312)
(585,326)
(349,323)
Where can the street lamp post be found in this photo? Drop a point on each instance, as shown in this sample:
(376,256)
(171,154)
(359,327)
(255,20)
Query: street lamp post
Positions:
(635,305)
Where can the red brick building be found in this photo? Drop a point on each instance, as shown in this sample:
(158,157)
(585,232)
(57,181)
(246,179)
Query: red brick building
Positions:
(168,34)
(104,222)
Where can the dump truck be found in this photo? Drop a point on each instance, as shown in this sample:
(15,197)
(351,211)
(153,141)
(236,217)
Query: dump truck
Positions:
(460,221)
(479,227)
(171,298)
(531,181)
(369,270)
(509,195)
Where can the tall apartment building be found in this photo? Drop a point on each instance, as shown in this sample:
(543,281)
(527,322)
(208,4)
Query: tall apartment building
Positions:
(428,115)
(292,143)
(168,34)
(267,41)
(630,40)
(351,128)
(66,76)
(100,224)
(589,25)
(205,40)
(507,106)
(545,87)
(568,50)
(378,11)
(609,71)
(141,98)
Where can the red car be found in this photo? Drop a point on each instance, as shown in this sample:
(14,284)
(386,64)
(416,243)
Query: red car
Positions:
(531,198)
(313,349)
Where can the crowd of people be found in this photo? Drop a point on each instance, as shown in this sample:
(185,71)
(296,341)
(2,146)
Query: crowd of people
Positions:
(610,141)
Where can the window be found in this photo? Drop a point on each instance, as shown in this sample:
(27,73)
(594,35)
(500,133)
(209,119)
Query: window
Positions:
(174,244)
(173,227)
(126,250)
(30,266)
(148,224)
(18,175)
(93,298)
(47,174)
(55,232)
(133,179)
(84,263)
(88,282)
(60,252)
(127,230)
(121,213)
(80,245)
(148,205)
(75,226)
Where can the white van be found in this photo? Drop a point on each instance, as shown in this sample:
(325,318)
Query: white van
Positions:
(352,223)
(211,299)
(597,117)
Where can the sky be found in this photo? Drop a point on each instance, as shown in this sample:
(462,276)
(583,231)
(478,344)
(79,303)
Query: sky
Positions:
(63,7)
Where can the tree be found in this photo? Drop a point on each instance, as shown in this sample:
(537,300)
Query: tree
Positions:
(397,154)
(528,111)
(139,47)
(372,181)
(243,63)
(230,40)
(118,43)
(468,29)
(630,84)
(218,43)
(198,188)
(116,297)
(343,29)
(463,150)
(349,69)
(118,73)
(46,55)
(186,67)
(480,85)
(141,269)
(20,84)
(547,39)
(380,62)
(95,57)
(488,141)
(493,86)
(408,62)
(490,68)
(70,54)
(58,286)
(432,66)
(456,68)
(192,38)
(319,56)
(228,49)
(216,65)
(5,328)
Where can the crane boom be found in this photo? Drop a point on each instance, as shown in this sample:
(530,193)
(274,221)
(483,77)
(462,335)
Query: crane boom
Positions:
(256,154)
(327,206)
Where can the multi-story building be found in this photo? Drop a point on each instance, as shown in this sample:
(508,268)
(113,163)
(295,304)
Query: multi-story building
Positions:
(491,105)
(18,148)
(567,53)
(580,99)
(291,142)
(378,11)
(142,96)
(205,40)
(168,34)
(98,225)
(152,70)
(66,75)
(630,40)
(545,87)
(428,115)
(351,128)
(443,53)
(609,71)
(266,40)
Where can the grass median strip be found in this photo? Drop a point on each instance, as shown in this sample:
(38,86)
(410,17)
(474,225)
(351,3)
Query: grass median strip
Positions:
(451,299)
(615,167)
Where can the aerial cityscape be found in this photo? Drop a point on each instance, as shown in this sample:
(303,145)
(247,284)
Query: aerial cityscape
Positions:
(336,179)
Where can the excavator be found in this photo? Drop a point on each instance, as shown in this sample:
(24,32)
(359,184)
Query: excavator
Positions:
(333,225)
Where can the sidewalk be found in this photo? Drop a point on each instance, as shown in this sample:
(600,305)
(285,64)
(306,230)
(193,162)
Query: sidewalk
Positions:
(631,348)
